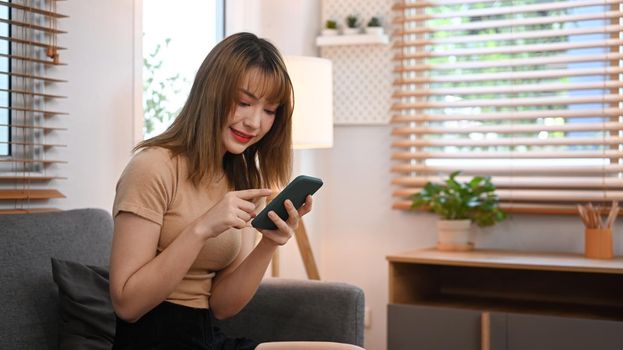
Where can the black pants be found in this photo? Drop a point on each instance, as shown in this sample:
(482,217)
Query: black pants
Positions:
(170,326)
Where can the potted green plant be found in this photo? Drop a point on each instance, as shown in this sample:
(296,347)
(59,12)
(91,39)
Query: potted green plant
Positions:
(352,25)
(330,28)
(459,204)
(374,26)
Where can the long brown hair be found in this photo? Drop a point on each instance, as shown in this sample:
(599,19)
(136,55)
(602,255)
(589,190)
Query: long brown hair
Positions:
(196,132)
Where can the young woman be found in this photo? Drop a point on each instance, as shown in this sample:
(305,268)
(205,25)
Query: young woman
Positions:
(183,250)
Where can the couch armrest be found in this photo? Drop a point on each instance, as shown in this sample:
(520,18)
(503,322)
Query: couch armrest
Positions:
(287,309)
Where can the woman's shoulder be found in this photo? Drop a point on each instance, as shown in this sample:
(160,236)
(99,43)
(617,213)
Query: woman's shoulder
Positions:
(153,161)
(156,153)
(148,183)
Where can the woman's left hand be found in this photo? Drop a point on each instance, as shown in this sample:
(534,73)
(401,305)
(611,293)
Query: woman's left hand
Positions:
(285,229)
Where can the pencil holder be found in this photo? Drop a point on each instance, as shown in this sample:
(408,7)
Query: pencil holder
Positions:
(598,243)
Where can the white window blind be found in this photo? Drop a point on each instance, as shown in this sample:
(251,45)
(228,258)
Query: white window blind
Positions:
(527,92)
(30,121)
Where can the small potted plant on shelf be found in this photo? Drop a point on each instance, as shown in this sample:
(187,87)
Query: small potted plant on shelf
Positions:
(374,26)
(330,28)
(458,205)
(352,25)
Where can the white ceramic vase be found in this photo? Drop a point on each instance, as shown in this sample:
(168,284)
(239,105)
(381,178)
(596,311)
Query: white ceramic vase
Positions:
(329,32)
(454,235)
(374,30)
(351,31)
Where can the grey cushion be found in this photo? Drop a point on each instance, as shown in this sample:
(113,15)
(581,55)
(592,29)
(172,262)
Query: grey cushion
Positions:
(28,296)
(86,312)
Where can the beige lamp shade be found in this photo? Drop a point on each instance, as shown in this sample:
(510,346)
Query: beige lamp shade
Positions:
(312,80)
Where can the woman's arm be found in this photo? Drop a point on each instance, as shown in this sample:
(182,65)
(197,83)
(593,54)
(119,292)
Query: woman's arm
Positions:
(234,286)
(140,279)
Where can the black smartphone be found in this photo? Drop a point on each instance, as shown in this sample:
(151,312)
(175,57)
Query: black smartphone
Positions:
(296,191)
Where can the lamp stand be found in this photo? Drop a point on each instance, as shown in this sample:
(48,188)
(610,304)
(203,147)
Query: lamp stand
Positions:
(274,264)
(306,252)
(302,241)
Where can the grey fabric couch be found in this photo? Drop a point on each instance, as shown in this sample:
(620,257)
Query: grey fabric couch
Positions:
(281,310)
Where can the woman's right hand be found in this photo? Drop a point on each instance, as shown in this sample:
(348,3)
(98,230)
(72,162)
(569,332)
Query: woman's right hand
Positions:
(234,210)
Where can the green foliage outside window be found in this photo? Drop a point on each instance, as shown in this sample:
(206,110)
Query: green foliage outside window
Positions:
(492,57)
(158,88)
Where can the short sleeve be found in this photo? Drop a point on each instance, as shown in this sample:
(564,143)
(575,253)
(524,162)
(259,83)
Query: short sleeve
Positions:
(146,185)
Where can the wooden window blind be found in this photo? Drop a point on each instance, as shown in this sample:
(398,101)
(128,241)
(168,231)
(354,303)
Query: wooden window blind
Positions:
(525,91)
(31,158)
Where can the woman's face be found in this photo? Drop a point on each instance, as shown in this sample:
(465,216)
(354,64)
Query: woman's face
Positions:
(251,118)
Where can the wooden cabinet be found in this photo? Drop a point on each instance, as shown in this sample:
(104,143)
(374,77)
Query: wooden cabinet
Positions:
(504,300)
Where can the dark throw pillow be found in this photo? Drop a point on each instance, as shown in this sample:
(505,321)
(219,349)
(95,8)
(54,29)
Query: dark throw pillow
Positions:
(87,320)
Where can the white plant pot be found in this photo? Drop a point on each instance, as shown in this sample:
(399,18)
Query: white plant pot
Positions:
(329,32)
(374,30)
(351,31)
(454,235)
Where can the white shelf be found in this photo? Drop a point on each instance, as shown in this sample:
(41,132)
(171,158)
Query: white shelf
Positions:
(357,39)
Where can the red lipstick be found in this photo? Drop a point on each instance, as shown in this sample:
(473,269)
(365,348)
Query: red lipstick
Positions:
(240,136)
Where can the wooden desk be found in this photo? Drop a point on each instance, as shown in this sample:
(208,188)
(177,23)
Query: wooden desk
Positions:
(488,299)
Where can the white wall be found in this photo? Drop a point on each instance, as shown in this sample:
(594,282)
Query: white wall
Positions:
(289,24)
(100,104)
